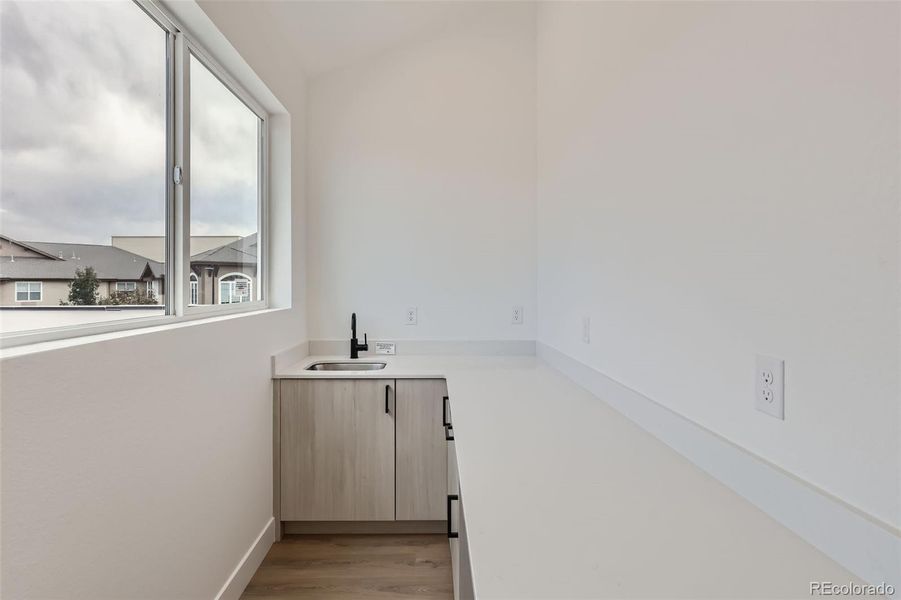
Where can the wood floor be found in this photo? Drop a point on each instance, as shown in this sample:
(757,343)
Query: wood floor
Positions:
(358,567)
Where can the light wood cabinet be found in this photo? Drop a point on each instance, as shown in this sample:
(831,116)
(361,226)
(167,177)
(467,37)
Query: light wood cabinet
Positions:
(453,514)
(456,526)
(336,450)
(463,585)
(366,456)
(360,450)
(421,464)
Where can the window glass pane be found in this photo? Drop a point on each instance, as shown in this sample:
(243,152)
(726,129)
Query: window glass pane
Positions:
(235,288)
(83,159)
(224,191)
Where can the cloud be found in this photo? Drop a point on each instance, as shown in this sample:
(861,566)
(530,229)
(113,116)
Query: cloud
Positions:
(224,137)
(82,128)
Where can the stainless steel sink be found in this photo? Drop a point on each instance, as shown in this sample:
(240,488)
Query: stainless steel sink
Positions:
(346,366)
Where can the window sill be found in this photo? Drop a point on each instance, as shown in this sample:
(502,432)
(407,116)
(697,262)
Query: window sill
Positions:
(29,344)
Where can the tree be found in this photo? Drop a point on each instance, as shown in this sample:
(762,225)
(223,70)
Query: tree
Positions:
(136,297)
(83,289)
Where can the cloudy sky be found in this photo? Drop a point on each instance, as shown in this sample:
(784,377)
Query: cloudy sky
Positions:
(82,128)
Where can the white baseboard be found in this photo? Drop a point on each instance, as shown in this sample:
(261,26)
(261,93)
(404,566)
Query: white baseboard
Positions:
(863,544)
(249,563)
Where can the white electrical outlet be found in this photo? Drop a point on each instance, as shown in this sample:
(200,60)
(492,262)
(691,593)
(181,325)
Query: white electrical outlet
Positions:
(412,316)
(517,315)
(769,386)
(586,330)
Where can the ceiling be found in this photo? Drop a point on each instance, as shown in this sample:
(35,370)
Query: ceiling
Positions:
(321,35)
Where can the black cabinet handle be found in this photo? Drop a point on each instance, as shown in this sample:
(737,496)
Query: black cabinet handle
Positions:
(449,433)
(450,533)
(387,391)
(444,421)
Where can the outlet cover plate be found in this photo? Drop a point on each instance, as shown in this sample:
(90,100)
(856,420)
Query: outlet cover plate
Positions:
(411,317)
(517,315)
(769,386)
(385,348)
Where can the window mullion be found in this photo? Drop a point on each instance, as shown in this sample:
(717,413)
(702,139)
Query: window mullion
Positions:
(263,292)
(181,220)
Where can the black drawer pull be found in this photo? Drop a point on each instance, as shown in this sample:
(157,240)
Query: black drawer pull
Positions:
(449,433)
(387,390)
(444,421)
(450,533)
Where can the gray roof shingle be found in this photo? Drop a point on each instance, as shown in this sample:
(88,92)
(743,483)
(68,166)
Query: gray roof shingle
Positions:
(109,262)
(239,252)
(112,263)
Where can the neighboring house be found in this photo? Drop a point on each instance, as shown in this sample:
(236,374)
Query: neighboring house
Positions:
(39,273)
(225,275)
(154,246)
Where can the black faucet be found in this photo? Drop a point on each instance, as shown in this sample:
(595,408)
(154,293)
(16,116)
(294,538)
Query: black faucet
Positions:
(354,346)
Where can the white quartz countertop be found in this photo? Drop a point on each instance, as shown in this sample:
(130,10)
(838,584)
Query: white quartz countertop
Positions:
(566,498)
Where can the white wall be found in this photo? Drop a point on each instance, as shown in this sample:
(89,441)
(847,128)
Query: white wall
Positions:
(714,181)
(717,180)
(141,466)
(421,186)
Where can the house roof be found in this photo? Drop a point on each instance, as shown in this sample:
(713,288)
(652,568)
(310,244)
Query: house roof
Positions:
(239,252)
(27,246)
(109,262)
(61,260)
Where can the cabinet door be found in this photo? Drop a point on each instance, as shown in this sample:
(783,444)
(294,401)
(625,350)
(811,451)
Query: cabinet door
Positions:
(453,489)
(421,450)
(337,450)
(463,574)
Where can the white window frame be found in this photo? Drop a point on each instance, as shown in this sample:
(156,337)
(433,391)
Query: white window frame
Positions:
(126,284)
(194,289)
(180,46)
(185,48)
(28,291)
(231,293)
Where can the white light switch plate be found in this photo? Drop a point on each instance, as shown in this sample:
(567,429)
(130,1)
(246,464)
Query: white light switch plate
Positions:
(769,386)
(384,347)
